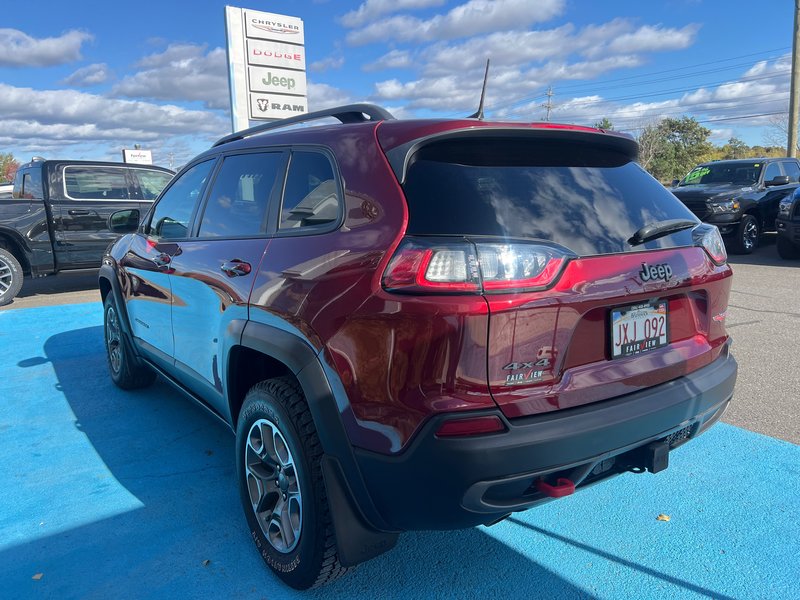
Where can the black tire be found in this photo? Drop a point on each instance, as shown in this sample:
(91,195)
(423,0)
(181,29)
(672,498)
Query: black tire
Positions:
(276,410)
(127,372)
(10,276)
(747,235)
(786,249)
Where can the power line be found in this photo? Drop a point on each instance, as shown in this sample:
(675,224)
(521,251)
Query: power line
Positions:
(716,84)
(621,120)
(601,85)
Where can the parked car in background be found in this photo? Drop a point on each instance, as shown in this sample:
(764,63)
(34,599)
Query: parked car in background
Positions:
(5,190)
(740,197)
(423,324)
(56,218)
(788,226)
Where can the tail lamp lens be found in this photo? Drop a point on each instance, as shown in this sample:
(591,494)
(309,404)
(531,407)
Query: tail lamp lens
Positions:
(708,237)
(432,265)
(518,266)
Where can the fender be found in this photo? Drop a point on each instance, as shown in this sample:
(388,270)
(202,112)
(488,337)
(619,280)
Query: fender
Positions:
(17,238)
(351,503)
(22,244)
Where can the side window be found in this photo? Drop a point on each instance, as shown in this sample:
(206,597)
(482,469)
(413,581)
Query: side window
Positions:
(311,196)
(28,185)
(171,215)
(792,169)
(237,203)
(773,171)
(150,182)
(95,183)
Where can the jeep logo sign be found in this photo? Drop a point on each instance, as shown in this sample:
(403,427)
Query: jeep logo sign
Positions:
(281,81)
(662,271)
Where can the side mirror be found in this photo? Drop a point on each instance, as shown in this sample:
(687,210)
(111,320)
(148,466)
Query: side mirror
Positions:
(124,221)
(675,182)
(779,180)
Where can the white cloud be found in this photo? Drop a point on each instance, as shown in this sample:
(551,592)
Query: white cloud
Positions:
(18,49)
(90,75)
(372,9)
(183,72)
(326,64)
(396,59)
(322,95)
(472,18)
(89,116)
(653,39)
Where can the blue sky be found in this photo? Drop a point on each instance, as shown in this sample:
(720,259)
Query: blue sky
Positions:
(86,79)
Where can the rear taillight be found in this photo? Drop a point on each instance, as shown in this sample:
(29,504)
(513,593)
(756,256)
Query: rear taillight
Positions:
(460,266)
(708,237)
(509,267)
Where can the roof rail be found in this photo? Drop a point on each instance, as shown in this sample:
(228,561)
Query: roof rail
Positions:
(350,113)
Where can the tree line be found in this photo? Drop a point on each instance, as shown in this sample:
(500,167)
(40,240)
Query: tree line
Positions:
(670,148)
(8,167)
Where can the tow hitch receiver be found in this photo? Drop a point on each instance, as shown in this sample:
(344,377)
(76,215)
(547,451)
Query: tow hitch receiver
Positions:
(563,487)
(657,456)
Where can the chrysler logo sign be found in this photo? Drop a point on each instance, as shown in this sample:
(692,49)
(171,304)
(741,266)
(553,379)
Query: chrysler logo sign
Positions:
(274,27)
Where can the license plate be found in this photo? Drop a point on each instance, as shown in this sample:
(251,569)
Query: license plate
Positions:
(637,329)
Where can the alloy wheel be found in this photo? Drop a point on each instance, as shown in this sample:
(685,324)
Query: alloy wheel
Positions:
(6,277)
(113,339)
(273,485)
(750,235)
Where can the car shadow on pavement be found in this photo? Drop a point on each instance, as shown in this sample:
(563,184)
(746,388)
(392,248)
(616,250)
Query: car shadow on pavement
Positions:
(141,500)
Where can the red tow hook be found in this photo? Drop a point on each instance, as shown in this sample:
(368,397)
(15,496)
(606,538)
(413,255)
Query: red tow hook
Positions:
(563,487)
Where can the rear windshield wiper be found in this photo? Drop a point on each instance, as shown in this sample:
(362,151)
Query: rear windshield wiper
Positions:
(656,230)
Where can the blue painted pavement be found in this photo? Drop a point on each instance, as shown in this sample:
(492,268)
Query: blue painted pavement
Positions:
(112,494)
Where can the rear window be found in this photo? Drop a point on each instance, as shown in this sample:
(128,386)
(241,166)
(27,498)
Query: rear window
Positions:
(588,199)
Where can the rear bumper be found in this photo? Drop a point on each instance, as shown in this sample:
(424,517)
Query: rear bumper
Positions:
(449,483)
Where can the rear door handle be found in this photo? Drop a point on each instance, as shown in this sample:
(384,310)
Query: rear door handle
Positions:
(236,268)
(76,213)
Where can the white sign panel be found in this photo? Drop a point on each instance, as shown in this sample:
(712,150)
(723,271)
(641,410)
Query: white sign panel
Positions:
(276,106)
(269,26)
(281,81)
(266,66)
(139,157)
(275,54)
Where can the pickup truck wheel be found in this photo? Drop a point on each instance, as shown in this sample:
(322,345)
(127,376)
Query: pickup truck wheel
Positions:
(747,235)
(10,277)
(786,249)
(280,480)
(125,370)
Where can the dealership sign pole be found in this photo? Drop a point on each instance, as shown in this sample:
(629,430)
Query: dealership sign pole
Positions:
(266,66)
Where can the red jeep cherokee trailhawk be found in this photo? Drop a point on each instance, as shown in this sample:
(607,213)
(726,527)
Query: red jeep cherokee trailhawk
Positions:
(423,324)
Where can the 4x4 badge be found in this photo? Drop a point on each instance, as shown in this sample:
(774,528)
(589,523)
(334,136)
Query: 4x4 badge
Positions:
(662,271)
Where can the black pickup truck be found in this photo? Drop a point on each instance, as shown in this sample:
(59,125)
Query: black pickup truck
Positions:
(57,216)
(740,197)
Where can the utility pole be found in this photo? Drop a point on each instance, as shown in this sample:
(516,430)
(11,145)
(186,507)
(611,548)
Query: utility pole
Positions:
(794,96)
(549,104)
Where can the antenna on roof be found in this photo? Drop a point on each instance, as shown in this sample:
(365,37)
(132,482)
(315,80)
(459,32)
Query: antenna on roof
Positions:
(479,113)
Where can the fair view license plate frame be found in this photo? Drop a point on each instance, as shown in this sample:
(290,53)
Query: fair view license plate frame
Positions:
(640,328)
